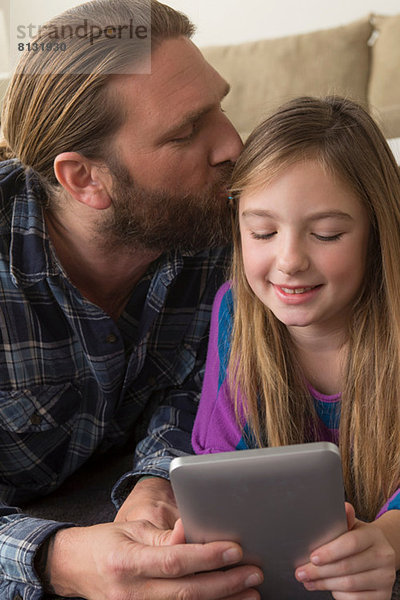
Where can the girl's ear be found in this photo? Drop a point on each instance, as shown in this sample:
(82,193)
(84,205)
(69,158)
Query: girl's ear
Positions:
(81,179)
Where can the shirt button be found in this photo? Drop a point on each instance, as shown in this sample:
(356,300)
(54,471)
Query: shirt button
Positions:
(151,381)
(111,338)
(36,419)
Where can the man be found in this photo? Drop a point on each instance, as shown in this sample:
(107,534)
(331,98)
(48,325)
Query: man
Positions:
(116,189)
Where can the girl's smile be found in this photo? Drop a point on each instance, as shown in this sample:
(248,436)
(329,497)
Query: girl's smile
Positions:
(296,294)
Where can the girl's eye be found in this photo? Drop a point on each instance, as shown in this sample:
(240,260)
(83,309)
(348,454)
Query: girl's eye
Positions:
(328,238)
(262,236)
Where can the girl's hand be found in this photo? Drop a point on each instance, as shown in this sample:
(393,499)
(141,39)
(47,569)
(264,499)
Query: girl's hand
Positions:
(358,565)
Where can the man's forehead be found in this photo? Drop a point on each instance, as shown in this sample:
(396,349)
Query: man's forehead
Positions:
(181,85)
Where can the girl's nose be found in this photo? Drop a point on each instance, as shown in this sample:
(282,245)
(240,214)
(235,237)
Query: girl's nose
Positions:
(292,258)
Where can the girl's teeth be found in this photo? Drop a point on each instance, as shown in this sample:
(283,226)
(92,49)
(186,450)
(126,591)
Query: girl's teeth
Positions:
(296,290)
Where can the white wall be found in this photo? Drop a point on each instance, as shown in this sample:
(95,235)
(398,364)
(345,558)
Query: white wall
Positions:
(230,21)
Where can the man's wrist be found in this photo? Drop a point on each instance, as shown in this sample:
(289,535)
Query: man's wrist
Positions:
(58,564)
(146,477)
(41,564)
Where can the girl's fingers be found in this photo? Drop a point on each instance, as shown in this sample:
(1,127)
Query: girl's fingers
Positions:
(358,563)
(345,555)
(367,595)
(350,515)
(374,580)
(353,542)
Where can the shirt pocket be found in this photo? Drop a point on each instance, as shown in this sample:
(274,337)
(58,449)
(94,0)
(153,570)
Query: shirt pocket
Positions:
(172,369)
(39,408)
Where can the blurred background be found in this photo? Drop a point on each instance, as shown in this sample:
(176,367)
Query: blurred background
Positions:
(221,22)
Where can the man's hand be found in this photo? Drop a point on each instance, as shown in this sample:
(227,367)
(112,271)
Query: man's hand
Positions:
(137,561)
(151,499)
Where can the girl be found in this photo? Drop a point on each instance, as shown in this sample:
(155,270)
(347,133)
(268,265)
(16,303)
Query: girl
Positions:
(305,340)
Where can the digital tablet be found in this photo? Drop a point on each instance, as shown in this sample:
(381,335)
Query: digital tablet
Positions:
(280,504)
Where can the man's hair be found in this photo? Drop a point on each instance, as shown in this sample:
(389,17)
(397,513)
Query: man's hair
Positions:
(52,105)
(346,142)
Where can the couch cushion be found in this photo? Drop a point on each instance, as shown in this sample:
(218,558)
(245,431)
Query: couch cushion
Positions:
(265,73)
(394,144)
(384,88)
(3,87)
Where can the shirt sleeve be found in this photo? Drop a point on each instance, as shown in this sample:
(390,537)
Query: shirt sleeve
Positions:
(216,428)
(392,504)
(168,435)
(170,428)
(20,539)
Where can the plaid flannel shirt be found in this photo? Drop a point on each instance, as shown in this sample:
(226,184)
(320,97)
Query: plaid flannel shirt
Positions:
(73,382)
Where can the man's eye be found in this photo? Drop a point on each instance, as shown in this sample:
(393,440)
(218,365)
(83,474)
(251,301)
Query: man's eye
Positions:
(181,140)
(185,138)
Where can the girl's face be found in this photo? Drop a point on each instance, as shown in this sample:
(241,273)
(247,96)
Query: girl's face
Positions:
(304,241)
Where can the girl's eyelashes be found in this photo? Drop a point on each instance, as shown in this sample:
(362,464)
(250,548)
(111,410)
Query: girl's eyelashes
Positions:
(262,236)
(321,238)
(328,238)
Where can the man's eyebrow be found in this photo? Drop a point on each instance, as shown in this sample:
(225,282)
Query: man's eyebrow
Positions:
(328,214)
(193,116)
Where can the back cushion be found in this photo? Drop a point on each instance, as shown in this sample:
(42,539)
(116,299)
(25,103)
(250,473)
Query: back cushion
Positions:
(266,73)
(384,90)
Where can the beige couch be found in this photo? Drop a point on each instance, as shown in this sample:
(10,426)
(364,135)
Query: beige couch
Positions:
(360,60)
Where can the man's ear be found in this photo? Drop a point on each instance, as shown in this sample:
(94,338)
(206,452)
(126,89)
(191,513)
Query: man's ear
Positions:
(81,179)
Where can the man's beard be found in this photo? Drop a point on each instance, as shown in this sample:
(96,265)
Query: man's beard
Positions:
(159,221)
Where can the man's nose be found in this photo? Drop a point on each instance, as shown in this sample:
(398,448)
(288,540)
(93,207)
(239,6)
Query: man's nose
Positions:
(227,144)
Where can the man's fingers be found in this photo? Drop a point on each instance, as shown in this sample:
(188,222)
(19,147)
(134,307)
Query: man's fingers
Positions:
(146,533)
(248,594)
(235,584)
(187,570)
(182,559)
(151,499)
(151,555)
(177,535)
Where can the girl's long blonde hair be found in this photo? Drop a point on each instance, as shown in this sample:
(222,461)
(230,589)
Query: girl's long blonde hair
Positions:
(346,141)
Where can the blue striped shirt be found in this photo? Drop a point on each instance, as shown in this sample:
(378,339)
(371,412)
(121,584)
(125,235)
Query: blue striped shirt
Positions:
(75,383)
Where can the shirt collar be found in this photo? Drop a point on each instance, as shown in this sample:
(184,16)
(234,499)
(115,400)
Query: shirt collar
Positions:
(172,264)
(31,257)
